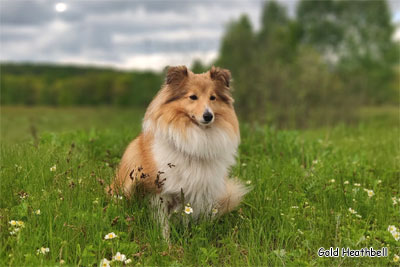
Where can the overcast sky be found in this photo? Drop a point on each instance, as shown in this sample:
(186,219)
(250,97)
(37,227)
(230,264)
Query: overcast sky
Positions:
(123,34)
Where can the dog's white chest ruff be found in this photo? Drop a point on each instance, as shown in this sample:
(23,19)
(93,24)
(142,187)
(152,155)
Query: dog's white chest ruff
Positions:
(196,165)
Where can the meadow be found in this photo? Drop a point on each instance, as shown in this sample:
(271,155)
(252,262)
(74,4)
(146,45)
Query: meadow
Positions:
(320,187)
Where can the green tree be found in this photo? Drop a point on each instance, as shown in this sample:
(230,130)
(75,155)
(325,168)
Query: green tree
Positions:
(356,37)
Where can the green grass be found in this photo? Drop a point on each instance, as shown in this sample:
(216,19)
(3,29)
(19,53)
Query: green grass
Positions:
(294,208)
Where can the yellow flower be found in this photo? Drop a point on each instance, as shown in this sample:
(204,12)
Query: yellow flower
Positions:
(119,257)
(396,258)
(188,209)
(111,235)
(53,168)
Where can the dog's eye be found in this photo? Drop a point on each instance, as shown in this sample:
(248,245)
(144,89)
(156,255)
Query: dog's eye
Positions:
(212,97)
(193,97)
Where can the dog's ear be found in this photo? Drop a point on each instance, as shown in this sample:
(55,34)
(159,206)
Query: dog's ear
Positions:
(221,75)
(175,75)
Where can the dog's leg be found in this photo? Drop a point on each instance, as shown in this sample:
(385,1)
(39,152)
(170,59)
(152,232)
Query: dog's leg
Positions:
(160,211)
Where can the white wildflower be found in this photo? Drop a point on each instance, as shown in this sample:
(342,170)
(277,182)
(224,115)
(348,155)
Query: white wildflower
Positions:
(352,211)
(396,235)
(53,168)
(369,192)
(119,257)
(214,211)
(392,228)
(43,251)
(396,258)
(188,209)
(111,235)
(105,263)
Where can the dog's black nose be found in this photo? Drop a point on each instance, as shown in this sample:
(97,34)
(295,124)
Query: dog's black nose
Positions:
(207,116)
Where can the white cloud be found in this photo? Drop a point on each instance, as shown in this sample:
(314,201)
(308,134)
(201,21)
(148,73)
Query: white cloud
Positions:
(156,61)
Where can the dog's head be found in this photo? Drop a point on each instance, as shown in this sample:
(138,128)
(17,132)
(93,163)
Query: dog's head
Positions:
(200,97)
(195,113)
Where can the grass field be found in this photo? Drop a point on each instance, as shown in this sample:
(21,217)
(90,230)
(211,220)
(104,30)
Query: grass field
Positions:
(305,185)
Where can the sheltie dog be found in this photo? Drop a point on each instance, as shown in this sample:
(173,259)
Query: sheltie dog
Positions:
(189,140)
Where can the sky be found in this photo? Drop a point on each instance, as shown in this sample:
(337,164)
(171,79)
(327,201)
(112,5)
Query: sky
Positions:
(134,34)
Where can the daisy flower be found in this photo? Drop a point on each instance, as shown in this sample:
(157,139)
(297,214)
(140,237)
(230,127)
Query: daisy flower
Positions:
(119,257)
(379,181)
(248,182)
(42,250)
(332,180)
(394,201)
(346,182)
(53,168)
(396,258)
(392,228)
(396,235)
(128,261)
(20,224)
(214,211)
(188,209)
(357,184)
(352,211)
(111,235)
(105,263)
(369,192)
(13,223)
(37,212)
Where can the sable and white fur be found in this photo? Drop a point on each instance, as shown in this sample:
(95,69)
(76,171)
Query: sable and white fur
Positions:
(179,152)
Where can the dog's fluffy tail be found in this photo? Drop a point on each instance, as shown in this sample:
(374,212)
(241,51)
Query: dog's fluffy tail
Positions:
(235,191)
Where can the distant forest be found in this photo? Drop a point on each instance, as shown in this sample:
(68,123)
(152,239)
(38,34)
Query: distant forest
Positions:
(39,84)
(319,65)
